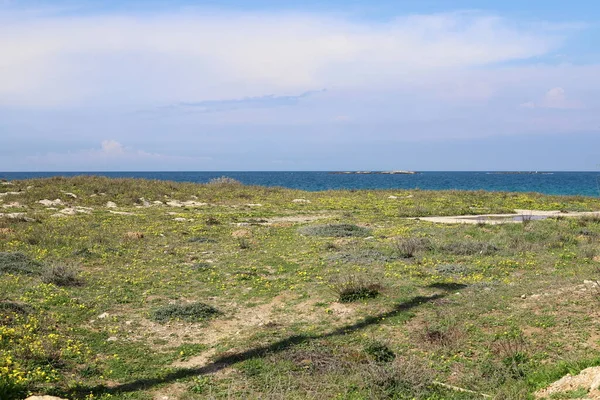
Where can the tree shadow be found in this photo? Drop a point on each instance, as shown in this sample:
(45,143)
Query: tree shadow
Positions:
(279,346)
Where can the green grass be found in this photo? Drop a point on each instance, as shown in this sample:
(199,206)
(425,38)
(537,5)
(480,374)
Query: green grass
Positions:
(343,297)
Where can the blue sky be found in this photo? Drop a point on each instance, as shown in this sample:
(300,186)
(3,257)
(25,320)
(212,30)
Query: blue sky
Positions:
(299,85)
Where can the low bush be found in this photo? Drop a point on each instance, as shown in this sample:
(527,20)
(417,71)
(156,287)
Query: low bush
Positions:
(190,312)
(18,263)
(335,230)
(380,352)
(61,275)
(353,288)
(409,247)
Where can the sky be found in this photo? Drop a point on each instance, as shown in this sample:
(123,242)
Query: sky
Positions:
(299,85)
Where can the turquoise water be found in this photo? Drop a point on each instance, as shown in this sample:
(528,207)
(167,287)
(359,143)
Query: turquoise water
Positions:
(562,183)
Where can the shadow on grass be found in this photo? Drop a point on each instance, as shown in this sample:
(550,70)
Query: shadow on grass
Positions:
(231,359)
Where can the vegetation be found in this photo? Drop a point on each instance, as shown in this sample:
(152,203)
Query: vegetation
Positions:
(191,312)
(229,291)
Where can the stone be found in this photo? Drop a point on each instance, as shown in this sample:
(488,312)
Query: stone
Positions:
(48,203)
(301,201)
(110,204)
(44,398)
(103,315)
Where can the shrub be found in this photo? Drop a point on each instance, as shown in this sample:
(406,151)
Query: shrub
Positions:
(469,247)
(408,247)
(380,352)
(511,347)
(61,275)
(335,230)
(403,378)
(190,312)
(354,288)
(443,333)
(244,244)
(18,263)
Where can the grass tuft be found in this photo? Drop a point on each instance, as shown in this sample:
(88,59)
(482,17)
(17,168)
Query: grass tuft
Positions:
(409,247)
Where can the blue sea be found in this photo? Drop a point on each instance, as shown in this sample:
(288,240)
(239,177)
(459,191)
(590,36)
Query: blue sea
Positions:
(560,183)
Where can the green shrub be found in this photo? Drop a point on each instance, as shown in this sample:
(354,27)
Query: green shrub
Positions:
(352,288)
(380,352)
(190,312)
(18,263)
(335,230)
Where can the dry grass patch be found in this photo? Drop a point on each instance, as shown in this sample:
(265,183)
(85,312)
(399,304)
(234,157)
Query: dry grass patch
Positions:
(133,236)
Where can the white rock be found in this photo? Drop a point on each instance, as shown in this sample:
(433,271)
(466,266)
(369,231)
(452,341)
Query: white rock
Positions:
(72,195)
(7,193)
(110,204)
(254,205)
(103,315)
(392,197)
(179,219)
(49,203)
(301,201)
(112,339)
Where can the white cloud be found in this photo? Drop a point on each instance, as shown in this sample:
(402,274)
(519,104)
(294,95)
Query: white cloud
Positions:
(554,98)
(111,153)
(162,59)
(112,148)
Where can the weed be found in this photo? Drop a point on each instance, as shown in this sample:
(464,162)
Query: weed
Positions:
(244,244)
(335,230)
(61,275)
(190,312)
(409,247)
(511,347)
(18,263)
(353,288)
(380,352)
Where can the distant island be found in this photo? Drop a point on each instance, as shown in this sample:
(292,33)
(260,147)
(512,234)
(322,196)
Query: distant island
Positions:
(374,172)
(520,173)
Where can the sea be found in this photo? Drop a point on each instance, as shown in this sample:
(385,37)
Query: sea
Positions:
(556,183)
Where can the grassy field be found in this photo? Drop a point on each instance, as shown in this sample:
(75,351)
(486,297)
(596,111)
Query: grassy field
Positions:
(134,289)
